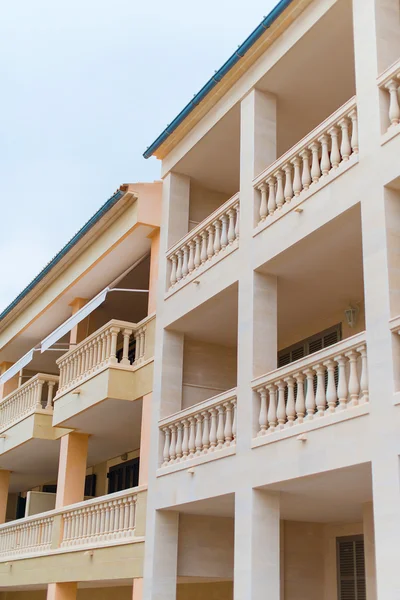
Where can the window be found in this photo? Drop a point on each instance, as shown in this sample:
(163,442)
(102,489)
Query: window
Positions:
(310,345)
(351,568)
(123,476)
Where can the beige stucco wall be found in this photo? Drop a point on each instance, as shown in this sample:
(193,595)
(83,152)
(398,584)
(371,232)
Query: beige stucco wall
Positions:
(203,202)
(208,369)
(219,590)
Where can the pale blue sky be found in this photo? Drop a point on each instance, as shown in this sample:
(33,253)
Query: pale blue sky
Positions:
(86,86)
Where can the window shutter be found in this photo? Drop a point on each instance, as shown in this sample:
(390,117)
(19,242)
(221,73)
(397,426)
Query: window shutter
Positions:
(351,568)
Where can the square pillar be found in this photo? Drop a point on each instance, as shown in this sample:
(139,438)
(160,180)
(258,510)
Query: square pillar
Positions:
(137,590)
(80,331)
(161,556)
(72,469)
(153,277)
(10,385)
(4,486)
(257,571)
(145,432)
(369,550)
(62,591)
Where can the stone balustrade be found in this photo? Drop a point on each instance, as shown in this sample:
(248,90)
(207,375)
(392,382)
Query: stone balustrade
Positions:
(310,162)
(326,382)
(35,394)
(202,429)
(389,83)
(101,350)
(111,518)
(26,536)
(102,521)
(207,242)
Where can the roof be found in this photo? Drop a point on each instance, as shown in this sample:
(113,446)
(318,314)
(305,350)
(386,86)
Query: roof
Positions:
(74,240)
(219,75)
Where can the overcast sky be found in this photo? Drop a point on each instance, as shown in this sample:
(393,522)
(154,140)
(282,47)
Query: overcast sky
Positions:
(86,86)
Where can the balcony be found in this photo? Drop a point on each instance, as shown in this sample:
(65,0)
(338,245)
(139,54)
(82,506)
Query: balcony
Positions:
(200,433)
(323,388)
(101,522)
(389,83)
(114,363)
(320,157)
(208,243)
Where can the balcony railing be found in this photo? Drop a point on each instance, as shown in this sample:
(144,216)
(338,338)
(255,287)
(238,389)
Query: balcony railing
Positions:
(35,395)
(206,243)
(321,384)
(202,429)
(98,522)
(389,82)
(101,350)
(309,164)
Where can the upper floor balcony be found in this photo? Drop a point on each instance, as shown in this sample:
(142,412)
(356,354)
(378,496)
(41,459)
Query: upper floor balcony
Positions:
(113,363)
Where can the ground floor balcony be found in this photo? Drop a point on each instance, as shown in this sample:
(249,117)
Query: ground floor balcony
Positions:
(74,535)
(114,364)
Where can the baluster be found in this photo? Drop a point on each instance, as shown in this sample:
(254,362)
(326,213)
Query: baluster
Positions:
(325,162)
(394,108)
(217,236)
(342,383)
(199,435)
(364,397)
(345,148)
(263,416)
(288,191)
(197,254)
(290,403)
(192,437)
(354,131)
(231,227)
(213,429)
(263,212)
(114,338)
(50,389)
(335,153)
(271,196)
(306,173)
(354,385)
(172,447)
(179,427)
(220,428)
(281,410)
(206,431)
(173,277)
(234,422)
(39,389)
(179,266)
(228,435)
(185,265)
(191,256)
(272,420)
(167,437)
(331,395)
(126,334)
(310,396)
(224,232)
(315,169)
(297,176)
(300,399)
(280,196)
(209,251)
(320,398)
(237,224)
(185,441)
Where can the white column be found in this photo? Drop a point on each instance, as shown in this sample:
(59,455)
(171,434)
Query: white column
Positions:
(257,293)
(369,550)
(257,546)
(160,567)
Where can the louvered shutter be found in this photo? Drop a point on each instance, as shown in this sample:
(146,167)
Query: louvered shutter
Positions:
(351,568)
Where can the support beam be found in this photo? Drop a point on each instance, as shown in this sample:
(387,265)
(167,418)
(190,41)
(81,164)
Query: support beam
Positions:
(72,469)
(10,385)
(145,432)
(137,590)
(80,331)
(4,486)
(161,564)
(62,591)
(153,277)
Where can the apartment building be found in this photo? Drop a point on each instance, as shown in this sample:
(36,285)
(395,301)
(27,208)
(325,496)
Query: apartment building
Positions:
(274,460)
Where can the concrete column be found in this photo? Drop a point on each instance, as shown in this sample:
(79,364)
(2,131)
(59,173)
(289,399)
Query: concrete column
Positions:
(257,293)
(160,567)
(153,277)
(10,385)
(387,32)
(171,372)
(62,591)
(369,550)
(137,589)
(176,193)
(80,331)
(145,431)
(257,546)
(72,469)
(4,486)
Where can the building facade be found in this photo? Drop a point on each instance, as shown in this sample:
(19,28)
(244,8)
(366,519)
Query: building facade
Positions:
(263,400)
